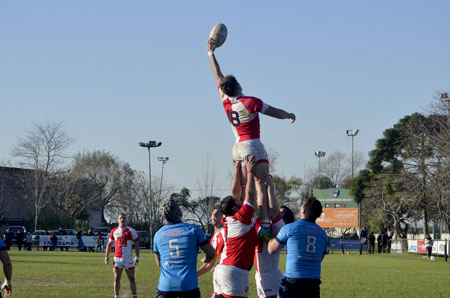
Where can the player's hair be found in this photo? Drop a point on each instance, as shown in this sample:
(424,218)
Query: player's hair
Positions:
(229,86)
(288,216)
(312,208)
(123,214)
(218,208)
(227,205)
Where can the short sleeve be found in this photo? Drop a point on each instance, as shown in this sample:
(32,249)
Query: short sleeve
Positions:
(245,213)
(252,104)
(111,234)
(283,235)
(134,235)
(200,236)
(155,244)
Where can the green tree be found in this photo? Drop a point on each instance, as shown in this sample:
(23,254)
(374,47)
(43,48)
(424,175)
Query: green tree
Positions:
(114,177)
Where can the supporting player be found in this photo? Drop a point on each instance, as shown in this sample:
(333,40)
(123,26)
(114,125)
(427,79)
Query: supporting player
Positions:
(306,244)
(243,113)
(240,232)
(176,248)
(217,241)
(123,238)
(267,276)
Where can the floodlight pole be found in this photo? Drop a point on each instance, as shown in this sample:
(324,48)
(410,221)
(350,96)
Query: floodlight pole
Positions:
(352,133)
(164,160)
(319,154)
(149,145)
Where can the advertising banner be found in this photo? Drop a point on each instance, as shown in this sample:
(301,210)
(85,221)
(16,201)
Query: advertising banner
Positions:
(338,218)
(349,244)
(71,241)
(396,246)
(421,247)
(63,240)
(439,247)
(91,241)
(412,246)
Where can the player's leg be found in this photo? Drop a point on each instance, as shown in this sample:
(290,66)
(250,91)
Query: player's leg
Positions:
(117,275)
(130,274)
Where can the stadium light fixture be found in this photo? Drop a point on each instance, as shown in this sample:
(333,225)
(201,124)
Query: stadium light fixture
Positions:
(149,145)
(319,154)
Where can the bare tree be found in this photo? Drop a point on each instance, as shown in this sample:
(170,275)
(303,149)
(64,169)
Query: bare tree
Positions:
(338,166)
(43,151)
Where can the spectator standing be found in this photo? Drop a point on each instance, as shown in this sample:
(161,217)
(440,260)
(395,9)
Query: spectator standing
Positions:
(371,243)
(90,233)
(429,245)
(390,235)
(54,240)
(100,246)
(29,241)
(19,237)
(380,242)
(384,242)
(46,233)
(7,270)
(363,236)
(78,234)
(62,232)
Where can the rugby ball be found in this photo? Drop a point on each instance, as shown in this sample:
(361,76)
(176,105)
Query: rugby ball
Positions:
(218,34)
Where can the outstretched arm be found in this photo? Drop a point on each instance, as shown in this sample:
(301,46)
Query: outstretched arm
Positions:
(209,261)
(250,191)
(274,209)
(279,114)
(210,47)
(236,186)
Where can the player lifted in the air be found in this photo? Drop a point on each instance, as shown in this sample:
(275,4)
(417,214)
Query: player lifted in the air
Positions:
(242,112)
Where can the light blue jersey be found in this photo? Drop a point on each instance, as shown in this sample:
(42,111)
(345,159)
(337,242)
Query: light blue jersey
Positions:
(177,245)
(306,243)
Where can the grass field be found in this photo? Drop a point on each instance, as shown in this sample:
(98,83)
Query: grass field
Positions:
(82,274)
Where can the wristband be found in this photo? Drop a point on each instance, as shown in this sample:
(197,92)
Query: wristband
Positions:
(7,282)
(210,53)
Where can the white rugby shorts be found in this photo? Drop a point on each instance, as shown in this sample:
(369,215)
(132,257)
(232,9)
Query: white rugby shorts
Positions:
(249,147)
(268,277)
(268,284)
(231,281)
(126,263)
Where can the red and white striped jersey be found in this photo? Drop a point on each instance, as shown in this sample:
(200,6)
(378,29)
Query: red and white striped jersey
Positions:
(123,240)
(240,238)
(218,242)
(265,262)
(242,112)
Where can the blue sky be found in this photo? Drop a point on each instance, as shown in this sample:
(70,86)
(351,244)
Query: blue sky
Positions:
(119,72)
